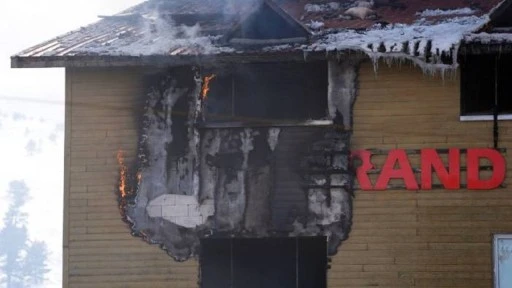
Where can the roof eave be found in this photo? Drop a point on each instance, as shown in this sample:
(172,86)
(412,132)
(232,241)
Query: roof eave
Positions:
(157,60)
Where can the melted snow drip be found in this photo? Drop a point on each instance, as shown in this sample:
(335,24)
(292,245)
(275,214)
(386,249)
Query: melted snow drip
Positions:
(342,90)
(273,138)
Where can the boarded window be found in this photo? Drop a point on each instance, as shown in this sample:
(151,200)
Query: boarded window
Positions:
(264,262)
(486,84)
(268,93)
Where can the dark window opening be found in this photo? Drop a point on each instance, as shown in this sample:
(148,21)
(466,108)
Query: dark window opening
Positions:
(486,84)
(268,93)
(264,262)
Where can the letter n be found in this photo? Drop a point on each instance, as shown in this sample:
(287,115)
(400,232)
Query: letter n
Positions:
(430,160)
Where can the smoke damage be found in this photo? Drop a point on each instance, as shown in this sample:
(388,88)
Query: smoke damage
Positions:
(192,181)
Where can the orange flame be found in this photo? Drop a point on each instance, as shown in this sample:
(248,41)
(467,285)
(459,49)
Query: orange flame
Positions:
(122,174)
(206,86)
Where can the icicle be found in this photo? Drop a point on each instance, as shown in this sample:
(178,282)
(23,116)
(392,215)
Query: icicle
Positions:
(443,72)
(389,61)
(305,54)
(374,57)
(273,138)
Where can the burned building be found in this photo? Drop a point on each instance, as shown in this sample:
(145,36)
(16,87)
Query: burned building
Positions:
(265,143)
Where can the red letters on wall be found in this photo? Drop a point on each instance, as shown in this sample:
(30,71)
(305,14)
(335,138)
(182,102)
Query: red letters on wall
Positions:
(397,166)
(404,171)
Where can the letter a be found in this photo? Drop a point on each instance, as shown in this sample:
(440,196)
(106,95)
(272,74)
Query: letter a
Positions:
(404,171)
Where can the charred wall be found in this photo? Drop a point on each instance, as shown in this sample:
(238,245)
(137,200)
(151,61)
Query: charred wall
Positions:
(194,181)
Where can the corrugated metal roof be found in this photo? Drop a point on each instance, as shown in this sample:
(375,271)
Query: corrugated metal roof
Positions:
(195,27)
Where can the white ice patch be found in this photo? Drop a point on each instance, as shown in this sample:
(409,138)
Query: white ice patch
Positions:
(273,137)
(315,8)
(360,12)
(277,48)
(451,12)
(211,146)
(247,139)
(341,90)
(181,210)
(315,25)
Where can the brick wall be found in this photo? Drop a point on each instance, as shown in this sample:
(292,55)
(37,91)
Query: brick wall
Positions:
(428,238)
(399,238)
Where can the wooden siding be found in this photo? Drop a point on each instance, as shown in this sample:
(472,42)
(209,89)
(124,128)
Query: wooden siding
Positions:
(432,238)
(98,248)
(399,238)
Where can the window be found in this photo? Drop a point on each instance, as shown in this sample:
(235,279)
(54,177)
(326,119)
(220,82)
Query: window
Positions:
(502,260)
(264,262)
(486,84)
(268,93)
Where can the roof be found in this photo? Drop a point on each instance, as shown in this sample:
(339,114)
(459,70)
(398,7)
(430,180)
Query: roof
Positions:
(167,32)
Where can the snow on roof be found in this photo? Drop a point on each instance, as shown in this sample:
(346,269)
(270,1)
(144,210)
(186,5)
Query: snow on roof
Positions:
(315,8)
(419,39)
(419,30)
(440,12)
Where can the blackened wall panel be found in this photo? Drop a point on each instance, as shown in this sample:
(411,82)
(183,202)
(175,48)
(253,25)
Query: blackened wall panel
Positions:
(289,201)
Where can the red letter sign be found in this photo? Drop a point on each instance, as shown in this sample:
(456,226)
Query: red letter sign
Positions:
(362,171)
(473,164)
(404,171)
(430,159)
